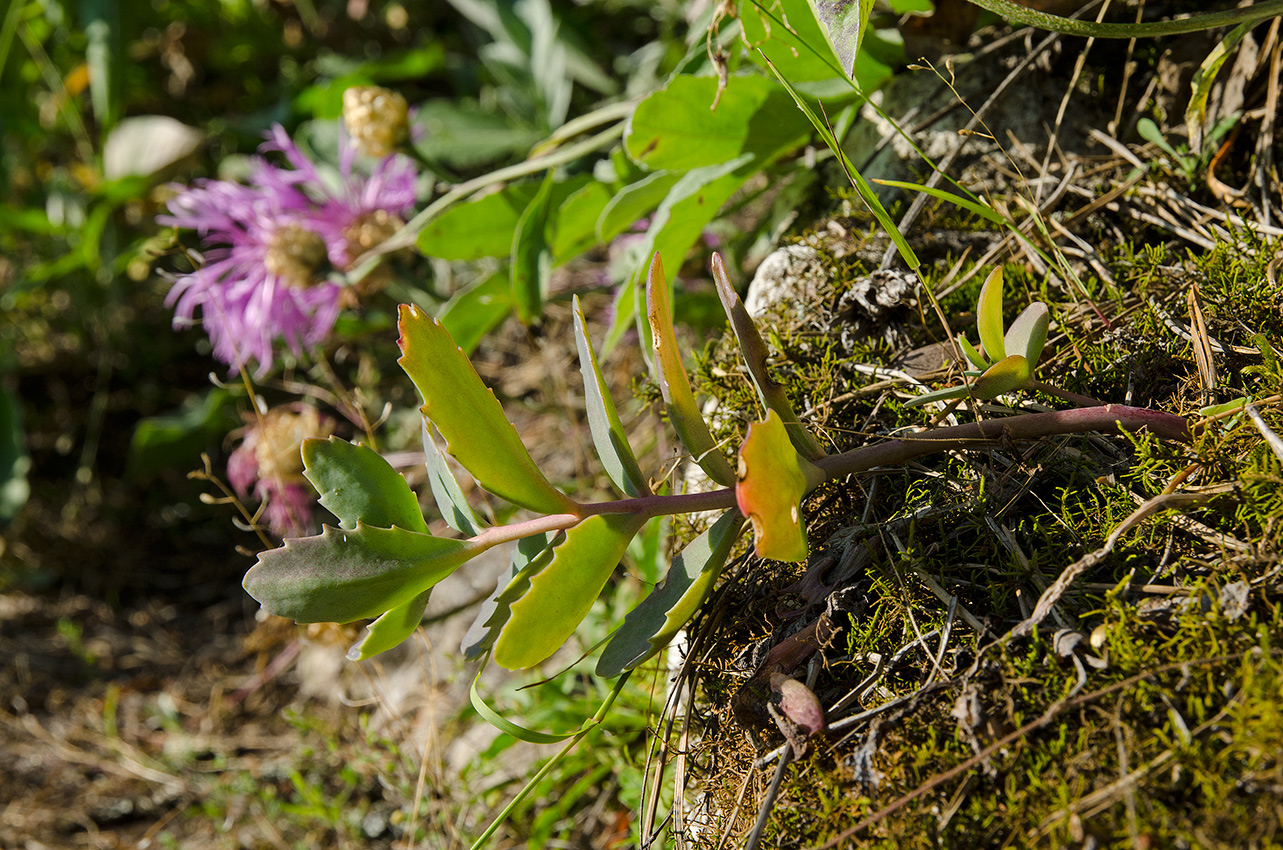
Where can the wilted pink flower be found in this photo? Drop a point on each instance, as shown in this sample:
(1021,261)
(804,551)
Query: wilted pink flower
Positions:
(270,243)
(268,464)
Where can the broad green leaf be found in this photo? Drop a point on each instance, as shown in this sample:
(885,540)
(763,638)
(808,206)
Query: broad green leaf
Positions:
(466,135)
(467,414)
(1028,333)
(677,128)
(603,420)
(340,575)
(454,507)
(561,593)
(480,228)
(531,265)
(530,555)
(755,353)
(989,316)
(845,24)
(472,313)
(675,227)
(977,359)
(484,227)
(650,626)
(773,478)
(1010,373)
(792,37)
(985,211)
(392,629)
(177,439)
(358,486)
(633,202)
(674,385)
(945,394)
(574,224)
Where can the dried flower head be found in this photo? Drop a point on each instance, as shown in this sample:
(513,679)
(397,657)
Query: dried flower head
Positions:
(377,119)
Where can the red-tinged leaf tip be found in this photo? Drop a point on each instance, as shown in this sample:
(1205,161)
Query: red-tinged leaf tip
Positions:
(773,478)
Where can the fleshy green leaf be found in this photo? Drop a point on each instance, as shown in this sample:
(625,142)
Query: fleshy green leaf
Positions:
(503,724)
(340,575)
(946,394)
(454,507)
(358,486)
(650,626)
(677,128)
(392,629)
(989,316)
(773,478)
(977,359)
(603,420)
(1028,333)
(561,593)
(674,384)
(530,555)
(755,353)
(468,415)
(1009,373)
(532,256)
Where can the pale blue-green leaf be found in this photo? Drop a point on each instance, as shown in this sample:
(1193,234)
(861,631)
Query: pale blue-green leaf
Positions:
(989,316)
(392,629)
(946,394)
(1028,333)
(561,593)
(358,486)
(652,624)
(451,502)
(529,555)
(607,431)
(340,576)
(531,265)
(977,359)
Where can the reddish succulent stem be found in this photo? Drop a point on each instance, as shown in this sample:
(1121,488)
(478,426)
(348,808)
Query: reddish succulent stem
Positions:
(1110,418)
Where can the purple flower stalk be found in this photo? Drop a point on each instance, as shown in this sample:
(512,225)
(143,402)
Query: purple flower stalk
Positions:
(270,242)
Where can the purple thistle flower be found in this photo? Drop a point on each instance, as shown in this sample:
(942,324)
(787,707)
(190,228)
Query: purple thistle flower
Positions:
(268,464)
(270,243)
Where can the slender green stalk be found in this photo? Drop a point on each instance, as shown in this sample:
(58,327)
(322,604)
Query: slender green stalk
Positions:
(589,725)
(1194,23)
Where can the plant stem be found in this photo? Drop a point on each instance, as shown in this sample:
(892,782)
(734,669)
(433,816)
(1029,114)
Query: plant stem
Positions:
(1111,418)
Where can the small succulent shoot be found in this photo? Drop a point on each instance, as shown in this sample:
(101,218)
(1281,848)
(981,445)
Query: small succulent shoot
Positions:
(1008,360)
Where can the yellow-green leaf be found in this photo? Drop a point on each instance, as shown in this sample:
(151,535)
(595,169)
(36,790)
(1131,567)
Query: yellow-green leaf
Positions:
(469,417)
(773,478)
(989,316)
